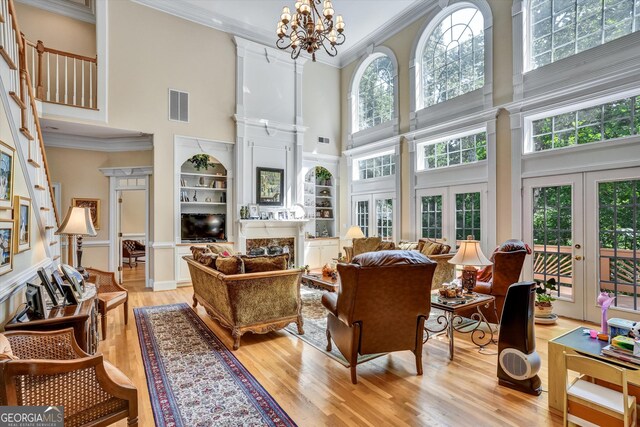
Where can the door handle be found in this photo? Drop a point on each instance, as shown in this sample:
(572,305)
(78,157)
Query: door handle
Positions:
(579,258)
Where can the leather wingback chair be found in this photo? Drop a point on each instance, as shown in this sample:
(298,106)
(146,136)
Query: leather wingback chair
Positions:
(381,306)
(507,266)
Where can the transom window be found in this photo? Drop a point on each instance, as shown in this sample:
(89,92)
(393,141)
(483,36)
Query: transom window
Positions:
(454,151)
(375,93)
(374,167)
(616,119)
(453,57)
(561,28)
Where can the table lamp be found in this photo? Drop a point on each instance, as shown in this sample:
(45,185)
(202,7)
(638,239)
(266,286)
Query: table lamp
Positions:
(354,232)
(470,256)
(77,223)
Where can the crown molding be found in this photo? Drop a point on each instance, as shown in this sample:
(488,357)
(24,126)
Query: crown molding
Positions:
(66,8)
(184,10)
(132,143)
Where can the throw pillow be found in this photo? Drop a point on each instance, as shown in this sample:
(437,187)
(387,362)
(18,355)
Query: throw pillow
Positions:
(198,251)
(229,265)
(407,246)
(265,263)
(386,246)
(218,248)
(5,349)
(208,260)
(365,244)
(431,249)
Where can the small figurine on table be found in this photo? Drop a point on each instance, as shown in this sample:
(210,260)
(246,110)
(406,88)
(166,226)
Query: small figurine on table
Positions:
(604,300)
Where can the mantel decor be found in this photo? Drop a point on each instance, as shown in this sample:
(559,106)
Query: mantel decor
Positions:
(308,29)
(270,186)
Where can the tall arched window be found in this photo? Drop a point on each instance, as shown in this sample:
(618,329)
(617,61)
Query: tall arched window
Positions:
(561,28)
(376,93)
(453,56)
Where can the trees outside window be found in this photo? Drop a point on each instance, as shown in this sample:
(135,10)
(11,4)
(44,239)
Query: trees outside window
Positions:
(561,28)
(453,57)
(616,119)
(375,93)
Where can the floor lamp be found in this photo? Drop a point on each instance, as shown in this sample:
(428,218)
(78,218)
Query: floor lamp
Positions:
(77,223)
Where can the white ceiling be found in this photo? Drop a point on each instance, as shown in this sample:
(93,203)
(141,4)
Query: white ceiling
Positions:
(257,19)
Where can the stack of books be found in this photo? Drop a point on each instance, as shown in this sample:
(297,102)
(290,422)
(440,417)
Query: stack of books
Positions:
(620,353)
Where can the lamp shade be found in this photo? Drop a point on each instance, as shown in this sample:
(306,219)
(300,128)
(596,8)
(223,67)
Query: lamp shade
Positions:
(470,254)
(77,222)
(354,232)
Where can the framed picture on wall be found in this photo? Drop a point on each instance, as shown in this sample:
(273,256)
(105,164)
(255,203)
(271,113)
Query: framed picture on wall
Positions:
(6,175)
(270,186)
(6,245)
(22,217)
(94,207)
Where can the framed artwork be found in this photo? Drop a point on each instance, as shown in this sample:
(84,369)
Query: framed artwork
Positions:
(6,245)
(254,212)
(22,217)
(270,186)
(94,207)
(6,175)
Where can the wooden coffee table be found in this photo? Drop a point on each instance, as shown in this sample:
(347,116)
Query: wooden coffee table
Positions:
(319,281)
(452,322)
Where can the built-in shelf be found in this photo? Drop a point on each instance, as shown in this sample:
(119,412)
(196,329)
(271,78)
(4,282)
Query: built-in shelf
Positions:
(209,175)
(316,195)
(203,188)
(204,203)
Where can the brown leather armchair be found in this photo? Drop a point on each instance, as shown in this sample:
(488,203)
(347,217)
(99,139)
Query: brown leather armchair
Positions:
(382,305)
(507,266)
(133,250)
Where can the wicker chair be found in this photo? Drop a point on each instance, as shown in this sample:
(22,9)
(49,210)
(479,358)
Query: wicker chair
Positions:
(110,295)
(54,371)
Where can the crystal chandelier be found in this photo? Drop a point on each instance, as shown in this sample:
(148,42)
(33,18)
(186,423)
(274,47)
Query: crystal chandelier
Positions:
(307,29)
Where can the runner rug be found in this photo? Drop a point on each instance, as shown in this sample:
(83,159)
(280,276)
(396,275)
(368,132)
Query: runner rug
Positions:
(193,379)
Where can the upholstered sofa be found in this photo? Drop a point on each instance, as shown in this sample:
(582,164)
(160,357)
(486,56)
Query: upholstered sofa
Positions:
(436,251)
(257,302)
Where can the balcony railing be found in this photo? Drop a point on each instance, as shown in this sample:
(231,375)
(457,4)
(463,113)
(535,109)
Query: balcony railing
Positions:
(62,77)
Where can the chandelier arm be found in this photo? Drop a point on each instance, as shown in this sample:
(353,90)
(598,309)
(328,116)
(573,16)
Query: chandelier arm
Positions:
(331,50)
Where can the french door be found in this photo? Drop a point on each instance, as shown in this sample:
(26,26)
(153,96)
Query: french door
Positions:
(450,214)
(554,228)
(585,233)
(375,214)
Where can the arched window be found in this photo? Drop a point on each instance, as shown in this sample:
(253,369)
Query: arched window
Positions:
(375,98)
(453,56)
(561,28)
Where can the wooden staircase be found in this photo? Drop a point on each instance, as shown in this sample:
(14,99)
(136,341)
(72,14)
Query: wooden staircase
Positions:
(16,80)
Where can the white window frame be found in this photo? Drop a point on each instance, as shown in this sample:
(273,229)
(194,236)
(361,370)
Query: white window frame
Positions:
(603,67)
(470,102)
(421,145)
(356,167)
(356,136)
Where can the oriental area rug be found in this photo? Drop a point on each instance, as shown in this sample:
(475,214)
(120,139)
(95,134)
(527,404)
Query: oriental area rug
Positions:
(193,379)
(315,325)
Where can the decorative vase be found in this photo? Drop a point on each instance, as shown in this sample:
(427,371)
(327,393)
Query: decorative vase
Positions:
(543,311)
(201,181)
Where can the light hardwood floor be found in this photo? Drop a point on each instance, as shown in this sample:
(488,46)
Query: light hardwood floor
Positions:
(315,390)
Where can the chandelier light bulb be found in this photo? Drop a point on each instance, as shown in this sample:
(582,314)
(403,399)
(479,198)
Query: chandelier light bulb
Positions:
(294,22)
(320,26)
(305,7)
(339,24)
(328,9)
(333,37)
(280,30)
(297,6)
(286,15)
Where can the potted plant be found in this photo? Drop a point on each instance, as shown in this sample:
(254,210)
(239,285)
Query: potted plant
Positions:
(544,300)
(323,176)
(201,161)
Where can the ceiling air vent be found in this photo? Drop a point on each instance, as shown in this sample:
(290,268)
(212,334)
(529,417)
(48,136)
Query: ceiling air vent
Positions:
(323,140)
(178,106)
